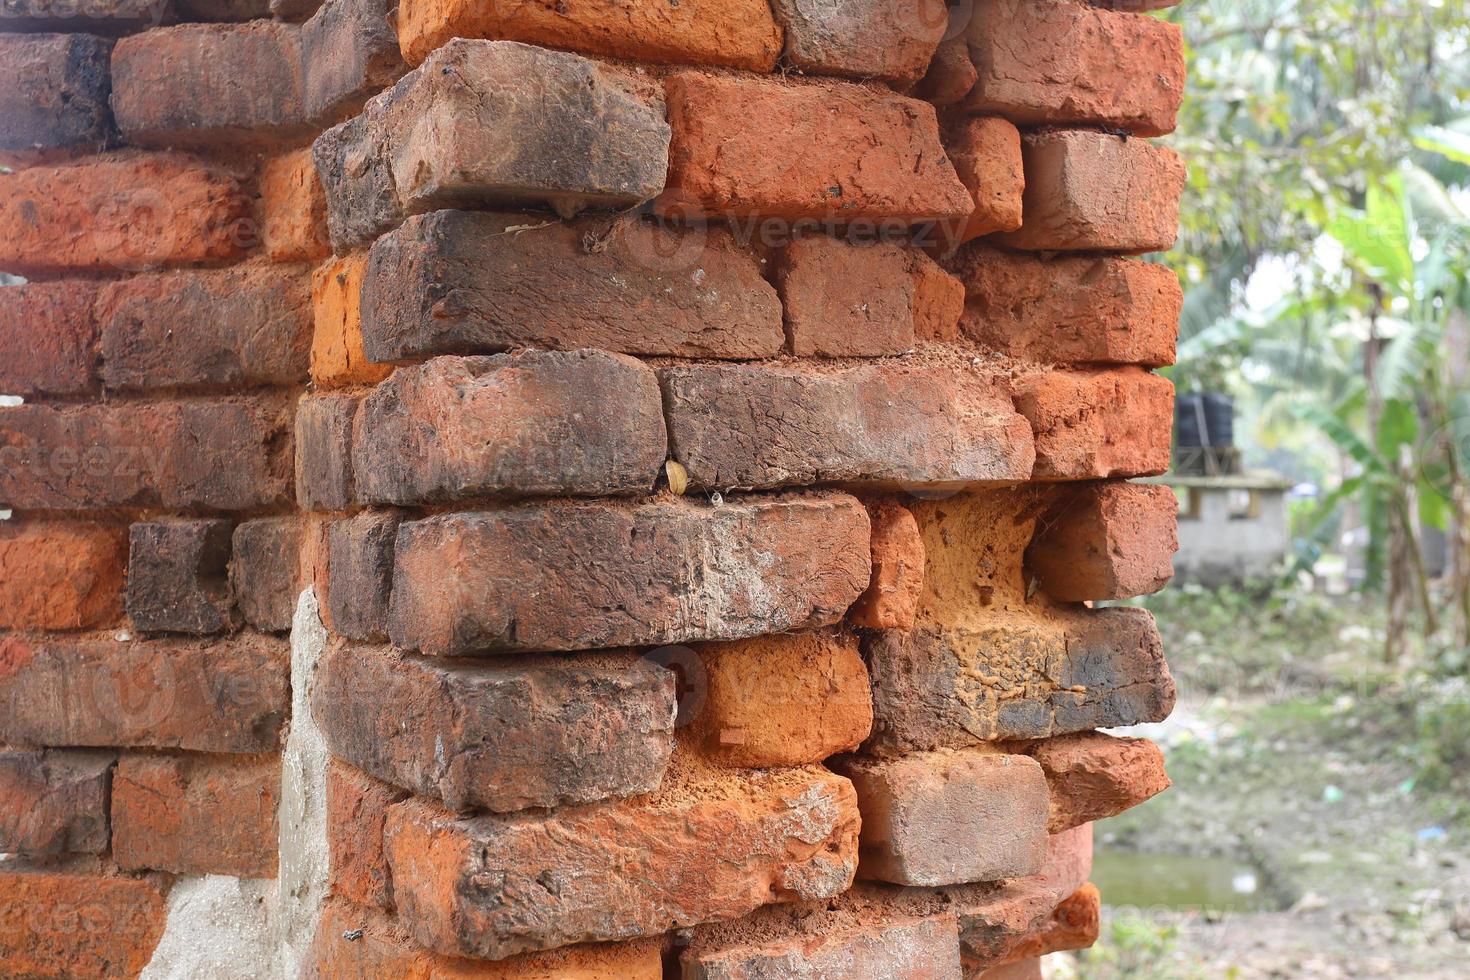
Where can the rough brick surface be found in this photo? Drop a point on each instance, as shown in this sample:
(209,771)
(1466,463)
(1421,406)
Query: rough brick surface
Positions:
(293,209)
(947,818)
(1062,62)
(352,162)
(847,300)
(531,423)
(360,575)
(54,802)
(349,52)
(493,886)
(939,300)
(102,16)
(1106,541)
(744,147)
(196,815)
(936,688)
(125,212)
(456,281)
(247,326)
(910,424)
(324,452)
(222,696)
(337,356)
(951,73)
(61,576)
(265,560)
(888,39)
(357,807)
(734,33)
(1095,776)
(986,152)
(1090,191)
(539,577)
(144,454)
(1098,424)
(779,700)
(1092,309)
(53,91)
(901,948)
(504,736)
(48,339)
(73,925)
(178,576)
(1076,924)
(892,599)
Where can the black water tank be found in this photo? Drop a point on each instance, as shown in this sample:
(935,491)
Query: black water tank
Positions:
(1204,420)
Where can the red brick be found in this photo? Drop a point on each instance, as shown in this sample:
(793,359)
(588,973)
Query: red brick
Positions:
(61,576)
(349,52)
(265,576)
(55,457)
(1093,425)
(357,178)
(223,696)
(1085,309)
(1076,65)
(892,599)
(494,886)
(1090,191)
(123,212)
(535,577)
(53,91)
(168,89)
(504,736)
(100,16)
(986,153)
(1027,969)
(909,423)
(54,802)
(785,700)
(847,300)
(947,818)
(733,33)
(1095,776)
(743,147)
(1106,541)
(293,207)
(236,327)
(65,926)
(337,356)
(457,281)
(939,300)
(178,576)
(863,39)
(530,423)
(360,575)
(951,74)
(324,478)
(48,339)
(900,948)
(196,814)
(357,806)
(1076,924)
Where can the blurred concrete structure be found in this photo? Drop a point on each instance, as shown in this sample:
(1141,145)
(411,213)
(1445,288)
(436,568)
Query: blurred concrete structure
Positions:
(1232,529)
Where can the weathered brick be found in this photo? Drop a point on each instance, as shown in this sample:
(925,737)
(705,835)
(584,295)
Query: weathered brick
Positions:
(493,886)
(504,736)
(1027,969)
(53,90)
(54,802)
(360,574)
(863,38)
(950,688)
(196,814)
(1065,63)
(457,281)
(349,52)
(48,339)
(892,599)
(324,452)
(124,212)
(337,356)
(357,806)
(948,818)
(847,300)
(951,73)
(96,16)
(245,326)
(743,147)
(55,457)
(293,209)
(535,577)
(178,576)
(986,152)
(534,422)
(1085,309)
(1092,425)
(892,947)
(1106,541)
(1091,191)
(220,696)
(352,162)
(939,300)
(905,424)
(168,89)
(1095,776)
(265,578)
(356,943)
(1076,924)
(786,700)
(72,925)
(61,576)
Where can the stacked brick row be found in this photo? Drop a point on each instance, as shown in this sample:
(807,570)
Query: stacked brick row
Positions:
(705,429)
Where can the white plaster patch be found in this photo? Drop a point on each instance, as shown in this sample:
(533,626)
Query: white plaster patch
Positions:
(217,926)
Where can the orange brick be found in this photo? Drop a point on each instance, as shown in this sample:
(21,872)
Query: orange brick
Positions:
(64,925)
(1092,425)
(986,152)
(1093,776)
(357,805)
(293,209)
(892,599)
(1076,924)
(337,356)
(61,576)
(1106,541)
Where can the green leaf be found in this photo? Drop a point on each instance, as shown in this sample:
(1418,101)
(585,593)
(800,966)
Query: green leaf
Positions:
(1446,142)
(1344,438)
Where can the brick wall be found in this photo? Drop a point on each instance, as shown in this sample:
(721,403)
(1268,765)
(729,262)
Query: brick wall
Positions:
(703,430)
